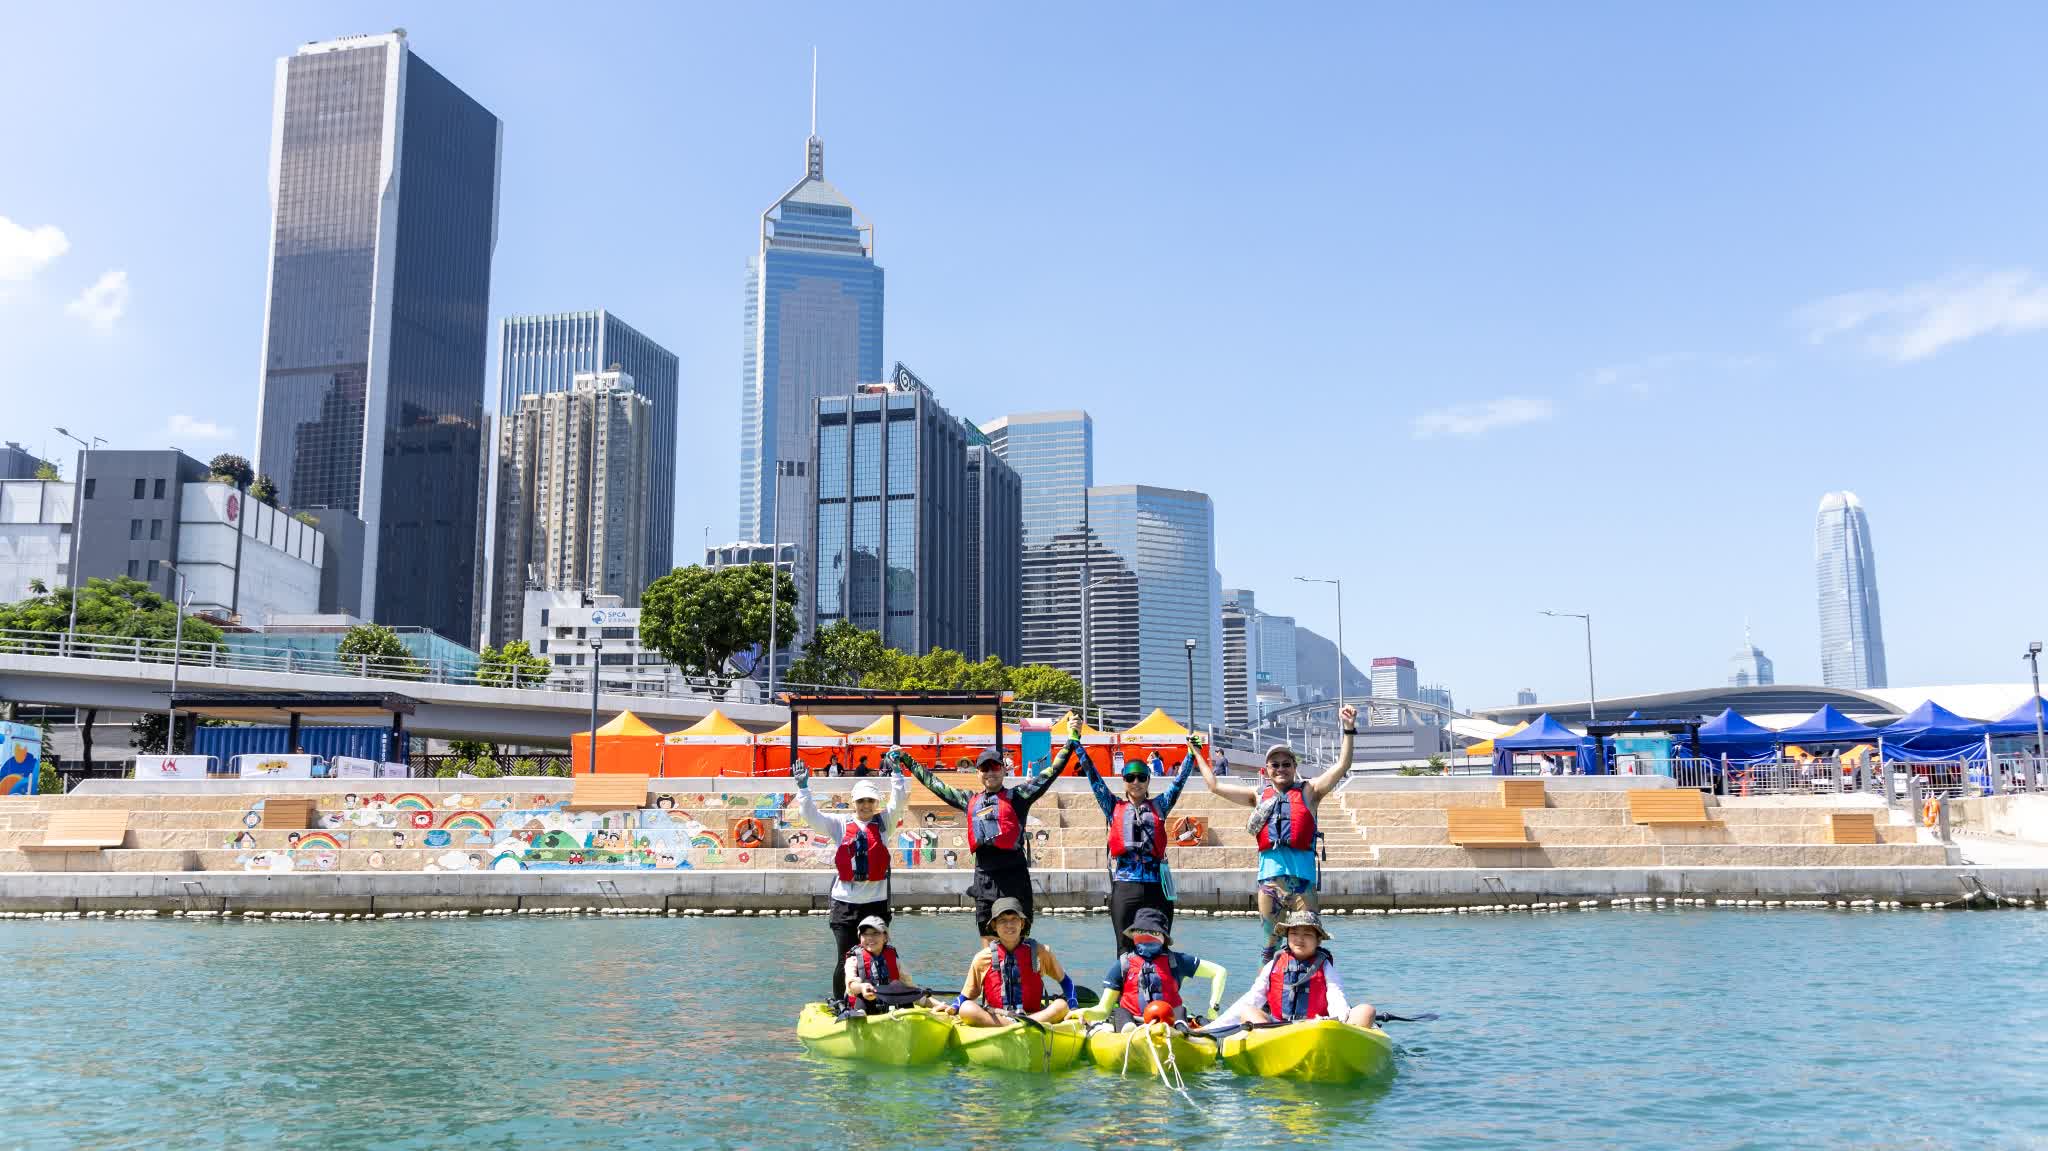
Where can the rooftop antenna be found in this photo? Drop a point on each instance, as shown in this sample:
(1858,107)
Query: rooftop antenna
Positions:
(814,149)
(814,89)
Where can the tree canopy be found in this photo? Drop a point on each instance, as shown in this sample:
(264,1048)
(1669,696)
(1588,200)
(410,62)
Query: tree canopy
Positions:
(512,665)
(699,618)
(233,469)
(124,608)
(387,654)
(847,655)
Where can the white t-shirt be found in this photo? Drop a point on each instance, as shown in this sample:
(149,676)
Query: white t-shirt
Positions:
(859,890)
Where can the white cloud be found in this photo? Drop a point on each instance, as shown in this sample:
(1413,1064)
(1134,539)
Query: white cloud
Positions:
(1639,376)
(102,304)
(1471,420)
(1920,320)
(23,251)
(185,427)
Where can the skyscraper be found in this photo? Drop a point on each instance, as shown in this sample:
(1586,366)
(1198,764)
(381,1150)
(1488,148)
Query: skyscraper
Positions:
(1845,566)
(995,533)
(1155,550)
(539,354)
(813,329)
(573,470)
(1393,677)
(1750,667)
(384,193)
(1240,628)
(1053,454)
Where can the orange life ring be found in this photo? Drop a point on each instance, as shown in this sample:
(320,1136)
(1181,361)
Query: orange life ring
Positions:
(1189,831)
(1741,778)
(1930,811)
(750,832)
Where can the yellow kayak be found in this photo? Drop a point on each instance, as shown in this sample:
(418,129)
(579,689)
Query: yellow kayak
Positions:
(1023,1047)
(1312,1051)
(907,1038)
(1141,1049)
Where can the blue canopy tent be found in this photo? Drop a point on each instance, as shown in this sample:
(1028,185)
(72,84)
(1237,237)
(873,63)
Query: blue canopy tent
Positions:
(1731,738)
(2020,720)
(1931,733)
(1544,734)
(1826,726)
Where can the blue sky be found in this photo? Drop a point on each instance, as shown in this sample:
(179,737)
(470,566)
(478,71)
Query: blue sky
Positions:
(1483,309)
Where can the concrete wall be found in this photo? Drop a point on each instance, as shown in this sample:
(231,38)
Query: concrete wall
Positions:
(2018,816)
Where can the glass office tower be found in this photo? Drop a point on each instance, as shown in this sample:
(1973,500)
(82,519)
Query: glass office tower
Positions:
(384,189)
(542,354)
(1053,454)
(1156,550)
(1851,634)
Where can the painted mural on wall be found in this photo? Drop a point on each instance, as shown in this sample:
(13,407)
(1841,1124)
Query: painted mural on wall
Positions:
(21,758)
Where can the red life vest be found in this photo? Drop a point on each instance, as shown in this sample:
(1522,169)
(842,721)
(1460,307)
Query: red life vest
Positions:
(1136,827)
(1292,822)
(863,856)
(878,970)
(1148,979)
(992,822)
(1018,972)
(1312,999)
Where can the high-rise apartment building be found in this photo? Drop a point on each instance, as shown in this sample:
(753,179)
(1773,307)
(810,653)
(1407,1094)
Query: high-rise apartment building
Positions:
(1845,566)
(890,519)
(1240,631)
(1155,554)
(1053,454)
(1750,667)
(1525,697)
(995,513)
(541,354)
(384,196)
(1393,677)
(573,471)
(18,463)
(813,329)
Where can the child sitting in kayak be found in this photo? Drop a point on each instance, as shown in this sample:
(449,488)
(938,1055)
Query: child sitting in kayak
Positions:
(1298,983)
(1152,972)
(1012,975)
(871,967)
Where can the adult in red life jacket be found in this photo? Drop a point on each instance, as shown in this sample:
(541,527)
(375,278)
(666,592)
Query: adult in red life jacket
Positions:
(1298,983)
(996,816)
(1152,972)
(860,858)
(1014,975)
(872,966)
(1284,821)
(1138,874)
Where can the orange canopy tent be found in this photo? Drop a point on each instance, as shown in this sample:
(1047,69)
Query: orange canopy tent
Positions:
(1485,746)
(974,733)
(1096,745)
(713,745)
(625,746)
(919,743)
(1156,733)
(816,744)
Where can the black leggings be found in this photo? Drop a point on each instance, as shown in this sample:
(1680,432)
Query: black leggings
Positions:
(1124,901)
(845,920)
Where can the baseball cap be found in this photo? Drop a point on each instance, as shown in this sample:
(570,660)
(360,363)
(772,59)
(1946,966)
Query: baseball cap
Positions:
(874,921)
(989,755)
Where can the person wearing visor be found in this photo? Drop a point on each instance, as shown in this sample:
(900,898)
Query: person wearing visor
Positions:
(995,829)
(860,879)
(871,967)
(1151,973)
(1138,874)
(1284,820)
(1298,983)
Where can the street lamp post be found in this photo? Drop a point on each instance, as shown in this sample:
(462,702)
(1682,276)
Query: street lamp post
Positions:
(2040,743)
(183,601)
(1191,686)
(77,522)
(1592,711)
(596,658)
(1339,585)
(775,577)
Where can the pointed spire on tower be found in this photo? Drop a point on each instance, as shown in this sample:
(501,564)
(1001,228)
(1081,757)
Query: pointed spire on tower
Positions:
(814,148)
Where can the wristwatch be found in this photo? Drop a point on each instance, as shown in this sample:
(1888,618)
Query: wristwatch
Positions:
(1350,731)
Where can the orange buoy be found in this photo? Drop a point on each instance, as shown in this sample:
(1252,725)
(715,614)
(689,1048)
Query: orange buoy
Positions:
(1159,1011)
(750,832)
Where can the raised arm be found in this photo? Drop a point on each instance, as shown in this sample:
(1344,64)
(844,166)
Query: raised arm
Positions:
(1216,975)
(939,788)
(1234,792)
(1103,798)
(808,808)
(1324,784)
(1180,780)
(1037,785)
(899,795)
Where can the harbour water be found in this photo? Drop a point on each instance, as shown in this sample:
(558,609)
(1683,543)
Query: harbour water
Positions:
(1693,1028)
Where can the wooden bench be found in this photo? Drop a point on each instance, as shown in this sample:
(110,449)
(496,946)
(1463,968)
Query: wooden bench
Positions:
(1522,793)
(287,813)
(82,831)
(1669,807)
(608,793)
(1487,827)
(1852,827)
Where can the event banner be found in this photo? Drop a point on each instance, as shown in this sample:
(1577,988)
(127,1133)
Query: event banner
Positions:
(275,766)
(21,758)
(173,766)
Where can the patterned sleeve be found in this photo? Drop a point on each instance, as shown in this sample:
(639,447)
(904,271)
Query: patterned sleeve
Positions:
(940,788)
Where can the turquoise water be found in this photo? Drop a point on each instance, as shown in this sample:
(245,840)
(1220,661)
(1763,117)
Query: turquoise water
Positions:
(1716,1029)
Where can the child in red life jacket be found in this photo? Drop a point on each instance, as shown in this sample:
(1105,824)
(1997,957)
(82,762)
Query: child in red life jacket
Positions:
(872,966)
(1014,975)
(860,861)
(1153,972)
(1298,983)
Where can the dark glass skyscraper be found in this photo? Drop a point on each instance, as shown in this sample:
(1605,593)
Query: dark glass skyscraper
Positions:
(384,190)
(542,354)
(1053,454)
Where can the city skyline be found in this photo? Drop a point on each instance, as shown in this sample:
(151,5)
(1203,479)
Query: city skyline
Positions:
(1476,359)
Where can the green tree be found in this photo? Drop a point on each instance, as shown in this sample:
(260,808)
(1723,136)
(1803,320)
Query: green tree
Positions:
(120,608)
(228,467)
(1043,683)
(699,618)
(264,491)
(512,664)
(385,653)
(842,654)
(48,471)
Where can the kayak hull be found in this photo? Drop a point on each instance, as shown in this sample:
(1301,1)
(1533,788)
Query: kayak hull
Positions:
(912,1037)
(1312,1051)
(1018,1047)
(1141,1050)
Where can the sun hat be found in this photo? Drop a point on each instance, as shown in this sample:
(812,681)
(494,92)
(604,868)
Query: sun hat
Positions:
(1004,906)
(1150,921)
(1302,918)
(866,790)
